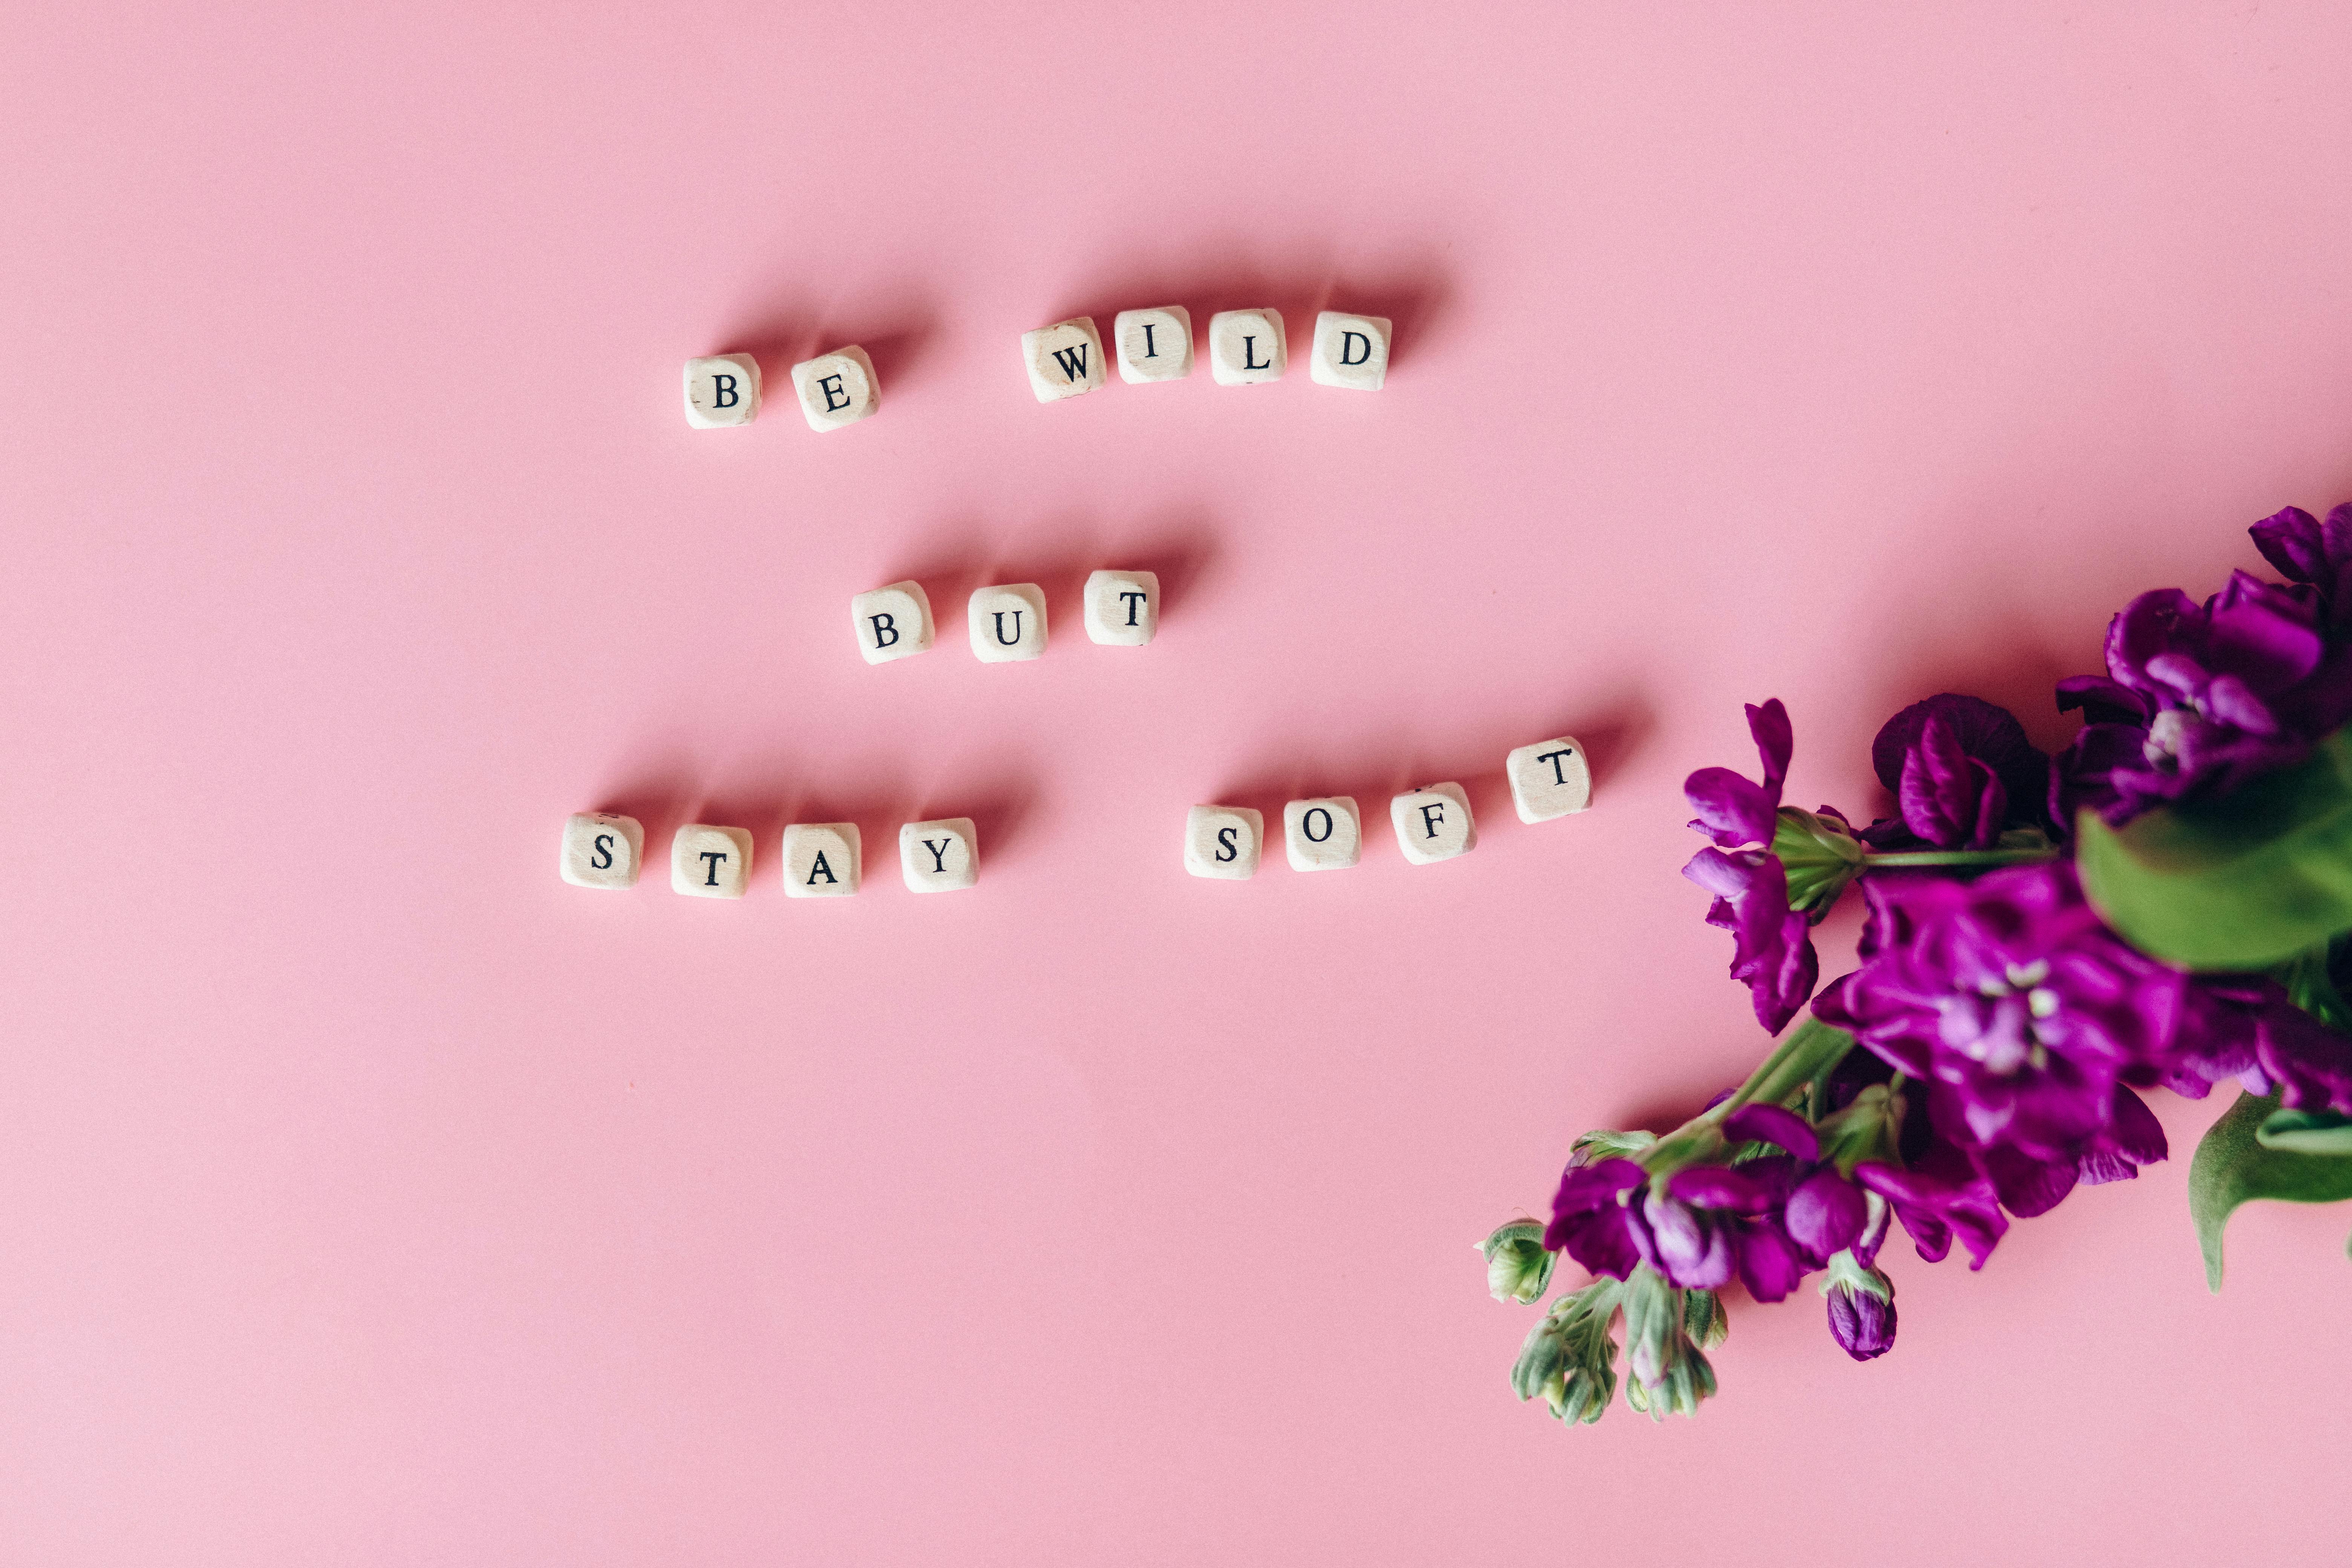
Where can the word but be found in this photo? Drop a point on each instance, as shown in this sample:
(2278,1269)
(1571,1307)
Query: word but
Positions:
(821,859)
(1245,348)
(1549,779)
(1006,621)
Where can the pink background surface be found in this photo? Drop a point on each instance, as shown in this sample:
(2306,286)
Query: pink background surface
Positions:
(369,1195)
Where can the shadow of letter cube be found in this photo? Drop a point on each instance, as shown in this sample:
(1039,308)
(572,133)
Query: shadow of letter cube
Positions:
(707,862)
(1155,344)
(1434,823)
(837,389)
(1246,347)
(1324,834)
(601,851)
(1063,360)
(1549,779)
(1349,350)
(1008,623)
(1122,607)
(940,857)
(722,390)
(893,622)
(821,859)
(1223,841)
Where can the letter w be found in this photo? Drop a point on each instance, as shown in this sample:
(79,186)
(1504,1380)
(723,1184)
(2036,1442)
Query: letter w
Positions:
(1072,361)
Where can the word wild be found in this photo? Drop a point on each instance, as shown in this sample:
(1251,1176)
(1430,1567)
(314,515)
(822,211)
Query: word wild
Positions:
(1245,348)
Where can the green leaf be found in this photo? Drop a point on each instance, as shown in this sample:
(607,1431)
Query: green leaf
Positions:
(2310,986)
(2232,1167)
(2306,1132)
(2243,882)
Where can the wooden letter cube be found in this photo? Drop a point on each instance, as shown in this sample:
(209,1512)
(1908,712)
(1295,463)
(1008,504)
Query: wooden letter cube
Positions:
(821,859)
(1154,345)
(1434,823)
(1223,841)
(1549,779)
(837,389)
(1246,347)
(1063,360)
(1122,607)
(601,851)
(1349,350)
(722,390)
(891,623)
(940,857)
(1324,834)
(1008,623)
(707,862)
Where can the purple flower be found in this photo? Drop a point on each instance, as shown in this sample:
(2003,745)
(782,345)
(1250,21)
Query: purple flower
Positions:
(2216,695)
(1771,1220)
(1589,1217)
(1773,871)
(2014,1002)
(1772,945)
(2317,554)
(1940,1197)
(1732,812)
(1862,1321)
(2305,1063)
(1960,770)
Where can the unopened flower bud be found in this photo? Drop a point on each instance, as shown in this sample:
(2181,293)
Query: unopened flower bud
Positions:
(1543,1360)
(1704,1319)
(1860,1308)
(1518,1268)
(1654,1341)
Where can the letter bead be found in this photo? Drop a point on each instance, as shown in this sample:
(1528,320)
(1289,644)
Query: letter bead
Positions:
(1323,834)
(1433,823)
(722,390)
(1246,347)
(1223,841)
(601,851)
(707,862)
(1008,623)
(938,857)
(1549,779)
(1349,350)
(892,622)
(1063,360)
(837,389)
(1122,607)
(821,859)
(1154,344)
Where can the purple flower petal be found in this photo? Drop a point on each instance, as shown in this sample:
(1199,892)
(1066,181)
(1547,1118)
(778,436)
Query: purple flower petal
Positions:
(1772,1124)
(1768,1265)
(1825,1216)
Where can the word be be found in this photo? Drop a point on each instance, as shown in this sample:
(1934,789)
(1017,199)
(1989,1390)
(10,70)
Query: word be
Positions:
(835,389)
(1549,779)
(1007,621)
(1245,348)
(821,859)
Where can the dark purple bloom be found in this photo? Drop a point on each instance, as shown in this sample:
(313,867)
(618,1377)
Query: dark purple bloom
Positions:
(1940,1197)
(2217,694)
(1713,1220)
(1861,1323)
(2017,1005)
(2314,554)
(2307,1064)
(1732,812)
(1962,771)
(1589,1217)
(2029,1184)
(1772,946)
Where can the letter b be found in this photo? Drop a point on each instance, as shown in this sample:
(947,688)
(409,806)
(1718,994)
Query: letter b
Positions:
(886,630)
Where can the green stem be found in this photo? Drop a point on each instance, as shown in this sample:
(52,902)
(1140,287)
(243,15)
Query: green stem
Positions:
(1960,857)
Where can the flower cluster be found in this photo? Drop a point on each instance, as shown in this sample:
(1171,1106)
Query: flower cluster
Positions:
(1988,1054)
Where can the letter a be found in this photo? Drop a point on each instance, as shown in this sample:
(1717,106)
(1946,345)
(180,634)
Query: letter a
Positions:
(820,870)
